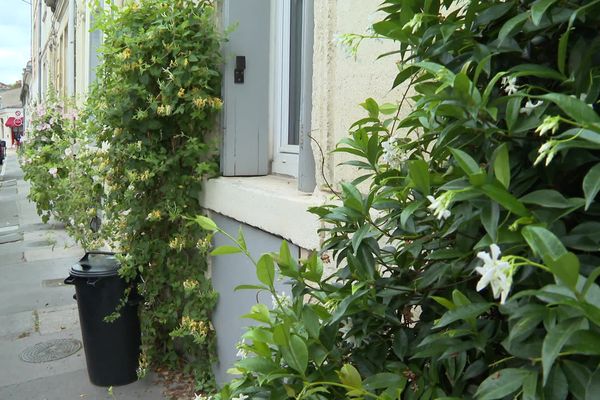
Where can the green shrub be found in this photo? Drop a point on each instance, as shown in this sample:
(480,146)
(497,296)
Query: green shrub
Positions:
(467,269)
(59,159)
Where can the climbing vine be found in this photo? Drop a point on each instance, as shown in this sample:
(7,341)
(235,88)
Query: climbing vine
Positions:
(155,106)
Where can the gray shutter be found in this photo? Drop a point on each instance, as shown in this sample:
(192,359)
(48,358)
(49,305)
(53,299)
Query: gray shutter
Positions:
(245,149)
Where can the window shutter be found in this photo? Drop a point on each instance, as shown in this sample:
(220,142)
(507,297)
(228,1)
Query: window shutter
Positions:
(245,150)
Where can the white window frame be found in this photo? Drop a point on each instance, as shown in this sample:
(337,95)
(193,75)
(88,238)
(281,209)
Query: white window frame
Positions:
(285,156)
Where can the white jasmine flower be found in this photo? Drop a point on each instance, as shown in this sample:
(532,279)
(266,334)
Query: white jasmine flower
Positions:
(510,85)
(494,272)
(546,151)
(202,397)
(530,106)
(68,152)
(439,206)
(348,43)
(242,352)
(53,171)
(283,298)
(345,329)
(548,124)
(353,341)
(347,326)
(393,154)
(240,397)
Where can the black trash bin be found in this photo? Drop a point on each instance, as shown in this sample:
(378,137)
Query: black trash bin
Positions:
(112,349)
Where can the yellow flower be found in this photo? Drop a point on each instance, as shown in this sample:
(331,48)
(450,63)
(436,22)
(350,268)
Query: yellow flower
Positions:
(154,216)
(164,110)
(126,53)
(200,102)
(181,92)
(190,284)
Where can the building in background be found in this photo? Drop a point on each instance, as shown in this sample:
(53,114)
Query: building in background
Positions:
(11,115)
(63,50)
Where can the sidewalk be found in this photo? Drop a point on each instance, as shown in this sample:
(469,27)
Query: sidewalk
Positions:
(36,306)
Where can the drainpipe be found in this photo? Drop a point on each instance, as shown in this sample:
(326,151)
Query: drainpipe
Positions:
(39,48)
(71,50)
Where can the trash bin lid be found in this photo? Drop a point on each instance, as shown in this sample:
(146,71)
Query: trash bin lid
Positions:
(96,264)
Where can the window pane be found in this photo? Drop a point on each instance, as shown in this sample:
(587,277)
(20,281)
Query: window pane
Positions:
(295,71)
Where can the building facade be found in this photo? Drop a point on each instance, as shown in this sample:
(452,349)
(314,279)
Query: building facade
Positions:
(11,116)
(290,94)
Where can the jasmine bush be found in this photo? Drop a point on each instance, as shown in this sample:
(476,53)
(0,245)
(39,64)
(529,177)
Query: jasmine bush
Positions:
(468,268)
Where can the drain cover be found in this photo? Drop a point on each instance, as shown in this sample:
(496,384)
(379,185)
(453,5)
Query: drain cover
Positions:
(51,350)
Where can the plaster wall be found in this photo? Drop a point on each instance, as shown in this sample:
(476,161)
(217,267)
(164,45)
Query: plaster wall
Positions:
(341,82)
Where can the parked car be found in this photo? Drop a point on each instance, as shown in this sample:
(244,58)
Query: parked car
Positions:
(2,151)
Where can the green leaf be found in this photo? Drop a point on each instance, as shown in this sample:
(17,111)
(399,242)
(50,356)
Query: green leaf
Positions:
(591,185)
(311,321)
(381,380)
(250,287)
(576,109)
(557,387)
(592,390)
(259,312)
(505,199)
(577,376)
(206,223)
(584,342)
(359,235)
(502,383)
(543,243)
(223,250)
(511,25)
(297,354)
(408,211)
(418,171)
(281,335)
(265,270)
(443,302)
(538,9)
(512,112)
(566,268)
(350,376)
(462,313)
(502,165)
(256,364)
(352,197)
(241,240)
(490,216)
(465,161)
(546,198)
(530,387)
(554,341)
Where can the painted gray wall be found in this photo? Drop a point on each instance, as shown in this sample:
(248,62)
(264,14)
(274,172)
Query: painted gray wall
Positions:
(228,272)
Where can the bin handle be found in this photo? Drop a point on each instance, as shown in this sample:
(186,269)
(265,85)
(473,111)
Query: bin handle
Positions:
(92,282)
(70,280)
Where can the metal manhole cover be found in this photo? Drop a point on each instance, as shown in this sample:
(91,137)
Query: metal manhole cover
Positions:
(50,351)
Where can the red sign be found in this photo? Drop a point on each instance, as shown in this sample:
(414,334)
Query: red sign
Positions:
(18,121)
